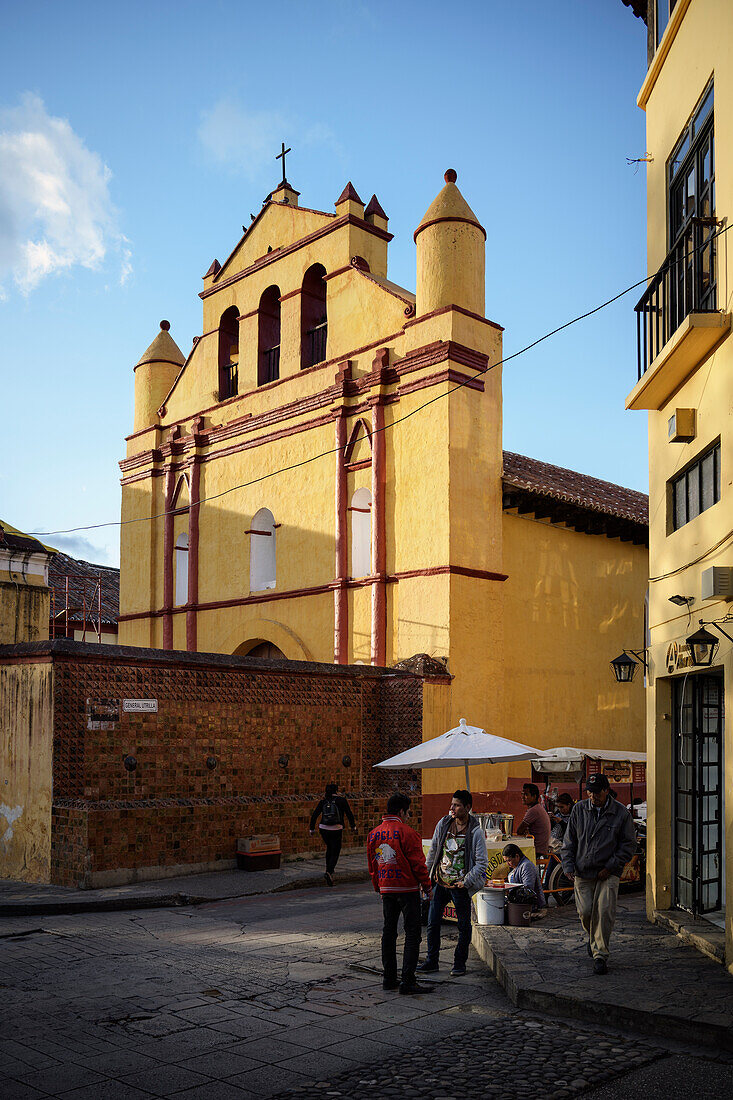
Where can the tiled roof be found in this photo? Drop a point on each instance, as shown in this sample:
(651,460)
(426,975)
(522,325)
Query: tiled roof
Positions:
(576,489)
(17,542)
(639,8)
(83,577)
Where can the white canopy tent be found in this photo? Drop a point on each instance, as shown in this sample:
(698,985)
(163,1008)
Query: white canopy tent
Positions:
(570,761)
(462,745)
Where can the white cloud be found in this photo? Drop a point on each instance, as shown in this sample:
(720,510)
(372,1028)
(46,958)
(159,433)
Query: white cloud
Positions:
(76,546)
(246,141)
(55,207)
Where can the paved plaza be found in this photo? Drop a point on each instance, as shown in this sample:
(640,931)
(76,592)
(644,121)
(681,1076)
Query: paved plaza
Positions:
(277,995)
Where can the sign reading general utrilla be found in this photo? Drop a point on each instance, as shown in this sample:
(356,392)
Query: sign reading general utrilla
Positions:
(140,706)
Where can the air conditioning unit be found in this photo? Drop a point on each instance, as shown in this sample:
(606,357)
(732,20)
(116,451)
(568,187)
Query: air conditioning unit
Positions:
(717,583)
(681,427)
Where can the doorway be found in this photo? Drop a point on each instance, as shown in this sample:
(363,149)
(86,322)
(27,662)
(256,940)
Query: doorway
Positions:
(267,650)
(697,731)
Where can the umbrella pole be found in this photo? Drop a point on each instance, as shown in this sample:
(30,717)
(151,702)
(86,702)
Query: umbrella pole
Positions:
(465,765)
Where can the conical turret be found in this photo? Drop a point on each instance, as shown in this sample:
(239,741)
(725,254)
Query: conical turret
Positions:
(155,373)
(451,261)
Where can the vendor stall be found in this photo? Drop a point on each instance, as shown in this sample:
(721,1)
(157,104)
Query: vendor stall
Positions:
(570,764)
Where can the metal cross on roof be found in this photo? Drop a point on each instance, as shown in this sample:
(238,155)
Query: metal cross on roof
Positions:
(281,156)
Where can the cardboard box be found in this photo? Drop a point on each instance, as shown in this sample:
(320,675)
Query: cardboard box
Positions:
(265,842)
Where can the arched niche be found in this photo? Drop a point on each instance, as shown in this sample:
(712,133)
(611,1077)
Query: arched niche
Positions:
(268,651)
(229,353)
(313,317)
(262,554)
(361,533)
(268,353)
(181,553)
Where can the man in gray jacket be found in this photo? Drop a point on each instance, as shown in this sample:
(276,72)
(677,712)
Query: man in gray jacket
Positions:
(457,864)
(599,841)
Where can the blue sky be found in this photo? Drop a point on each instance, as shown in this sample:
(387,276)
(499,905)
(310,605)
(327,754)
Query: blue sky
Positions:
(135,140)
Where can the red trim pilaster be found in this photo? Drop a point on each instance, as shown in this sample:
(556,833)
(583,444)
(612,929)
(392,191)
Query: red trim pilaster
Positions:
(340,597)
(168,559)
(379,541)
(193,556)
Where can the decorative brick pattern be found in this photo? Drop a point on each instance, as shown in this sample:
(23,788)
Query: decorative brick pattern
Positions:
(278,735)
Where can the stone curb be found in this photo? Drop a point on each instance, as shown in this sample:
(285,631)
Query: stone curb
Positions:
(160,901)
(507,964)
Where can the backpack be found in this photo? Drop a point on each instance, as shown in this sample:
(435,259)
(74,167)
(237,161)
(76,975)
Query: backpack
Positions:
(330,814)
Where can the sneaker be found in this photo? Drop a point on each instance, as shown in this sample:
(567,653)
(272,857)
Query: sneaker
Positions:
(391,986)
(458,972)
(427,967)
(414,988)
(329,878)
(599,966)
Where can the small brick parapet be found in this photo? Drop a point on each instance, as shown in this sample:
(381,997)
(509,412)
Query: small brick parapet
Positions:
(164,758)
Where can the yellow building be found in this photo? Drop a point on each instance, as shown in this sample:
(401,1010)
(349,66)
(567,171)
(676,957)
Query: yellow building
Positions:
(323,478)
(685,367)
(25,597)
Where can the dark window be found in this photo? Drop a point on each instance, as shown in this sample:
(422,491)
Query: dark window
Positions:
(691,204)
(664,9)
(229,353)
(313,318)
(686,281)
(697,489)
(268,361)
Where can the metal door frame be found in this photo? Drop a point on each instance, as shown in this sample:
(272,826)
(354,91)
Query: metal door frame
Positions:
(681,688)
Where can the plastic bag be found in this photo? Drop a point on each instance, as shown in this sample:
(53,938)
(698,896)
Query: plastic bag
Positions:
(522,896)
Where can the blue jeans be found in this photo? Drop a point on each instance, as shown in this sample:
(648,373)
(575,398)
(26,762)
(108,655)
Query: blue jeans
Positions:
(462,904)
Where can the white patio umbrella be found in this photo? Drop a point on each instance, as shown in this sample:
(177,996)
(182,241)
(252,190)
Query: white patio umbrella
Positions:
(463,745)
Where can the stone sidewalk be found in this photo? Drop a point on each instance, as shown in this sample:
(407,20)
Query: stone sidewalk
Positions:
(657,984)
(18,899)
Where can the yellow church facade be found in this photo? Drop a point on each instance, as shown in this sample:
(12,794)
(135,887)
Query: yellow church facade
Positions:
(323,478)
(684,372)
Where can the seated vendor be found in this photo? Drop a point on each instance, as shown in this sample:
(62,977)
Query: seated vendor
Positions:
(524,873)
(561,816)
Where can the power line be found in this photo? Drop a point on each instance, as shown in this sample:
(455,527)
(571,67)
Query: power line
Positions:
(399,420)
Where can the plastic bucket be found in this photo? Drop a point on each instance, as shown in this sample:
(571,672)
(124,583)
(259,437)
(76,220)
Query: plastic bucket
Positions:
(518,914)
(489,906)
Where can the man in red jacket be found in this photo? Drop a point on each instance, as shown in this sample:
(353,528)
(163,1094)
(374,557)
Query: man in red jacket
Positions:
(397,867)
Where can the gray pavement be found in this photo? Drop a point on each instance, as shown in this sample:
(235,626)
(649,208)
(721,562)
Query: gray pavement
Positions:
(259,995)
(27,898)
(657,984)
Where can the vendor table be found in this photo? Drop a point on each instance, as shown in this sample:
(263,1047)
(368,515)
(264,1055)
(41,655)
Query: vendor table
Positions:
(494,849)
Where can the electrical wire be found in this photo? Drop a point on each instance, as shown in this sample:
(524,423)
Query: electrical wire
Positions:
(402,419)
(695,561)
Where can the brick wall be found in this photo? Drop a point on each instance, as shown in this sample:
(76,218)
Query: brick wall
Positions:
(237,746)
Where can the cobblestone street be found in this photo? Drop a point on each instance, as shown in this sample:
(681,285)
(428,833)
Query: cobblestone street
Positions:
(276,995)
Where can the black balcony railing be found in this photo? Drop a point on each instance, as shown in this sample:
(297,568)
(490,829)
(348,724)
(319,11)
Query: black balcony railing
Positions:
(317,343)
(270,365)
(229,381)
(684,284)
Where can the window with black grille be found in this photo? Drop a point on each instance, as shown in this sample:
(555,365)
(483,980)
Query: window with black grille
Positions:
(691,204)
(697,489)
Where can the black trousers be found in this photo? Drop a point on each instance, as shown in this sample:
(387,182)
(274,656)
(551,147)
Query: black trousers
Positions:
(332,839)
(408,904)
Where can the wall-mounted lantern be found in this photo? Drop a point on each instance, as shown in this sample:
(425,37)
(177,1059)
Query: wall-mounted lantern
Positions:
(624,666)
(703,645)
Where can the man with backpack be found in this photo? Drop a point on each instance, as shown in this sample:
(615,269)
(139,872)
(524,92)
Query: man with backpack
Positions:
(398,870)
(332,809)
